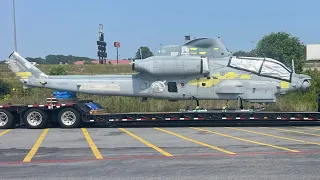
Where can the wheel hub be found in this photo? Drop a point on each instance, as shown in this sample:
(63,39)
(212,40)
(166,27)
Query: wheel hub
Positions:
(34,118)
(68,118)
(3,119)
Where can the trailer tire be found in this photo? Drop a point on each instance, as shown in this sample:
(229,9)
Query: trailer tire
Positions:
(42,119)
(73,121)
(6,119)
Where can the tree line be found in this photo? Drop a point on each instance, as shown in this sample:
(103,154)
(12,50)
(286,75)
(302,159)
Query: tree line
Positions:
(57,59)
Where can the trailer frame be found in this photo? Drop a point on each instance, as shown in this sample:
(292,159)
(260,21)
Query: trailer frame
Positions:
(54,111)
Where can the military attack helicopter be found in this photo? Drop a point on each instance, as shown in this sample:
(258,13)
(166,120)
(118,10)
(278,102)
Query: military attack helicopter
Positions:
(200,69)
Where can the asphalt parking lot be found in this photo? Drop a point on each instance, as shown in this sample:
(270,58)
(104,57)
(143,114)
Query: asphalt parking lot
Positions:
(26,147)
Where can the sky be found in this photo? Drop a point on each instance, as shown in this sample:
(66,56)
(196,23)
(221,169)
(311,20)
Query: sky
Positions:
(70,27)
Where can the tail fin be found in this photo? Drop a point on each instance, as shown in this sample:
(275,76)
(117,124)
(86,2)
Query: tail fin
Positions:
(23,69)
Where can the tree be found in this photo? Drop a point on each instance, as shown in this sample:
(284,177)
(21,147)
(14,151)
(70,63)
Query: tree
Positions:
(38,60)
(243,53)
(56,59)
(145,51)
(282,47)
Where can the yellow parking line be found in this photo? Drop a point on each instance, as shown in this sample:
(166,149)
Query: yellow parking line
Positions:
(317,129)
(246,140)
(35,147)
(93,147)
(270,135)
(300,132)
(146,142)
(194,141)
(4,132)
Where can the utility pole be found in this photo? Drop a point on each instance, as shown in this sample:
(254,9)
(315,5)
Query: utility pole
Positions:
(140,53)
(101,45)
(117,46)
(252,45)
(14,25)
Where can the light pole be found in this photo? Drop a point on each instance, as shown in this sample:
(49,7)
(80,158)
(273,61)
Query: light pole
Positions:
(252,45)
(14,25)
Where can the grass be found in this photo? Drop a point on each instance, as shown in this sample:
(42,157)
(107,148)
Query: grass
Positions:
(291,102)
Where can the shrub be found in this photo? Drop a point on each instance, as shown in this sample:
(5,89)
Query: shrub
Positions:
(58,70)
(5,88)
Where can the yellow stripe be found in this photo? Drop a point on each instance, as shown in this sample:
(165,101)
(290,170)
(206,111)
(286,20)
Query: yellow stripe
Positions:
(317,129)
(146,142)
(300,132)
(35,147)
(93,147)
(24,75)
(4,132)
(194,141)
(280,137)
(246,140)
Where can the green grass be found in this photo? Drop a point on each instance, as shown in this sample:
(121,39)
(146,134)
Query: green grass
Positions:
(291,102)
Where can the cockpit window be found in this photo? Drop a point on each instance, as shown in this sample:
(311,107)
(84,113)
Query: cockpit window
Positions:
(276,70)
(252,65)
(262,66)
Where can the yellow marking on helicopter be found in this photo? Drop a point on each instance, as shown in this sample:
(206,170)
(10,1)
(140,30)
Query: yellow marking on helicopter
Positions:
(284,84)
(24,75)
(216,48)
(193,49)
(245,76)
(202,52)
(216,79)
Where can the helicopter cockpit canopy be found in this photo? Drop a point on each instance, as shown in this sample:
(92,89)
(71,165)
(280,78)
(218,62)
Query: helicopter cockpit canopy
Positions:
(262,66)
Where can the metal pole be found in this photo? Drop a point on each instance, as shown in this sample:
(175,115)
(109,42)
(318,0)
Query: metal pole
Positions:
(14,26)
(140,53)
(117,55)
(252,45)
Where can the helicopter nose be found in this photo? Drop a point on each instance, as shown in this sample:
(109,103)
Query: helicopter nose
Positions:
(305,86)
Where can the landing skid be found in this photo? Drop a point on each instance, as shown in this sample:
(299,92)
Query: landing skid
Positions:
(240,107)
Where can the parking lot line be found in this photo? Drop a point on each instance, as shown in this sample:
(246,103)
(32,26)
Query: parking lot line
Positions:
(288,130)
(279,137)
(4,132)
(317,129)
(36,146)
(194,141)
(93,147)
(146,142)
(246,140)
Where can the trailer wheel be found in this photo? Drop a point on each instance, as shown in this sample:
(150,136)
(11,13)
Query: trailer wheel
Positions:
(35,118)
(6,119)
(69,118)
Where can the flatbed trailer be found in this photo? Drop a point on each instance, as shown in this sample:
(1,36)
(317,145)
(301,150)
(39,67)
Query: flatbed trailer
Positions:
(74,114)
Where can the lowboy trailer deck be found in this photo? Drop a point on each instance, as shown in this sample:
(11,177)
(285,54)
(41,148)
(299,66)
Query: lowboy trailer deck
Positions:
(73,114)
